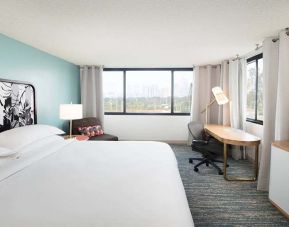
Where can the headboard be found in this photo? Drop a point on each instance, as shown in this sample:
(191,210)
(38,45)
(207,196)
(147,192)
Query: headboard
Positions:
(17,104)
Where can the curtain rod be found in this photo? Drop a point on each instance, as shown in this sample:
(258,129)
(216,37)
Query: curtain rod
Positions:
(238,57)
(276,39)
(259,46)
(101,66)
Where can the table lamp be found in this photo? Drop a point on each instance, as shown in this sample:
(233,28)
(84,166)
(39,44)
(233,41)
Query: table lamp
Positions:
(219,97)
(70,112)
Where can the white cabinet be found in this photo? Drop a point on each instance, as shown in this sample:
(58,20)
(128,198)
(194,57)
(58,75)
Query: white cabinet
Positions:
(279,176)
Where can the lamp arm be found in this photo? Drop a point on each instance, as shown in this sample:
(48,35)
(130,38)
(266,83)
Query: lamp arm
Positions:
(211,103)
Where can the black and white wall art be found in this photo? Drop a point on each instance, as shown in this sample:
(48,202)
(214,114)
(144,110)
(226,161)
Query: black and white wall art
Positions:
(17,105)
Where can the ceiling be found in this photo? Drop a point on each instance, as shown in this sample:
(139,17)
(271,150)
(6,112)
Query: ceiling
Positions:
(143,33)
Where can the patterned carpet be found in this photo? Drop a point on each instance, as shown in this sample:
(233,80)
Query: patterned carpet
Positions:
(216,202)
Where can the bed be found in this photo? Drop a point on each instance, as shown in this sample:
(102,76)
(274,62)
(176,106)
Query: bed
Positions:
(49,181)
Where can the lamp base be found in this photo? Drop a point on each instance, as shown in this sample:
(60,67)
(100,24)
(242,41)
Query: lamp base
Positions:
(70,129)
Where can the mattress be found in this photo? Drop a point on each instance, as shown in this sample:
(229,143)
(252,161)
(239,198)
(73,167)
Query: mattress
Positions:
(58,182)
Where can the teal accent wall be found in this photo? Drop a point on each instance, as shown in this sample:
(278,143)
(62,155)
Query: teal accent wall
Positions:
(55,80)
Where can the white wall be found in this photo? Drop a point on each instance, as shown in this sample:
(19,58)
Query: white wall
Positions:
(146,127)
(160,128)
(257,130)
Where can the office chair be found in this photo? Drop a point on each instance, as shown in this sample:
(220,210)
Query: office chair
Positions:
(206,145)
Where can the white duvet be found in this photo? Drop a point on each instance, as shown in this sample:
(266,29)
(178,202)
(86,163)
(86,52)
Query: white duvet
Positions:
(58,182)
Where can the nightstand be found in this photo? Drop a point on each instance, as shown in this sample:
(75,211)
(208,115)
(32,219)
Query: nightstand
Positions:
(279,179)
(76,137)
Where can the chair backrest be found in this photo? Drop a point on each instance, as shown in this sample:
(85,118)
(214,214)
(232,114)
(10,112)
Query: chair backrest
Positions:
(84,122)
(196,129)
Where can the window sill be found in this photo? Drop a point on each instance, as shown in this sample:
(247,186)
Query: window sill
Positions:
(149,114)
(259,122)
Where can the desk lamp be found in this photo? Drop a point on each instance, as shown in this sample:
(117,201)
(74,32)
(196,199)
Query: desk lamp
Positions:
(219,97)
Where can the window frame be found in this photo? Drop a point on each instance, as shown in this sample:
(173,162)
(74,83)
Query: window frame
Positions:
(250,60)
(172,70)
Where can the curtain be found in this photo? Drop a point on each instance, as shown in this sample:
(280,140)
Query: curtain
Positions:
(282,106)
(237,86)
(276,105)
(237,97)
(195,107)
(204,79)
(231,76)
(215,109)
(224,110)
(205,74)
(91,92)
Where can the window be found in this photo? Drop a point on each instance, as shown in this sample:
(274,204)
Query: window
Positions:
(113,91)
(255,89)
(182,91)
(147,91)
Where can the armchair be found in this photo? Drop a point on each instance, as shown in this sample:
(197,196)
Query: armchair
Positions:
(90,121)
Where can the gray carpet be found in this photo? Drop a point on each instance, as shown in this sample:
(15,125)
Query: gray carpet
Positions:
(216,202)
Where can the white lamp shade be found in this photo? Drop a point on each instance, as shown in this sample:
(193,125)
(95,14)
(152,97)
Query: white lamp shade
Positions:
(70,111)
(220,96)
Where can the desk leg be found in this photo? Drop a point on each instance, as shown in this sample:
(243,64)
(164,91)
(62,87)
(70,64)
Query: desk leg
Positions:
(235,178)
(256,161)
(225,160)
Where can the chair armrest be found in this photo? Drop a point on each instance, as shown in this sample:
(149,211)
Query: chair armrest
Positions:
(200,142)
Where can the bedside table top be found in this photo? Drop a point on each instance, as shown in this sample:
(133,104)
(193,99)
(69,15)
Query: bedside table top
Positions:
(77,137)
(282,144)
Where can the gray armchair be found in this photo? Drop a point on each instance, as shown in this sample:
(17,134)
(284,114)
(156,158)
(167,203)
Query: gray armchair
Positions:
(90,121)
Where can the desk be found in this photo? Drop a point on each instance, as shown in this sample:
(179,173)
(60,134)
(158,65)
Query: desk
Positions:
(232,136)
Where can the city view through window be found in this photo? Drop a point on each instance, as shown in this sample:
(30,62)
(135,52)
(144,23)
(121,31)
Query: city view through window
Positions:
(147,91)
(255,89)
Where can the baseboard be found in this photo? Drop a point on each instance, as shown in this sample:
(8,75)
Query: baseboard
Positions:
(280,209)
(180,142)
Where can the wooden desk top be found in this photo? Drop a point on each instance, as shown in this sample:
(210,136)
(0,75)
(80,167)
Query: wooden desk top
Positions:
(282,144)
(228,135)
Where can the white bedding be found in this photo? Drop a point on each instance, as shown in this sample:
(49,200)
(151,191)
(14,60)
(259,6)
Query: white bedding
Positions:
(69,183)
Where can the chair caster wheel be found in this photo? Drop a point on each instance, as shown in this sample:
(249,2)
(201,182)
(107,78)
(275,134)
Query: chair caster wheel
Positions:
(196,169)
(191,161)
(220,173)
(207,164)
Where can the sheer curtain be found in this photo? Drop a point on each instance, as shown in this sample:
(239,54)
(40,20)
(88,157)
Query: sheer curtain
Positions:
(91,91)
(224,110)
(237,97)
(237,86)
(276,105)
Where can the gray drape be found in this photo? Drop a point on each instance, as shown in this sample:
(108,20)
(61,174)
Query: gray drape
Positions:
(224,115)
(92,92)
(204,79)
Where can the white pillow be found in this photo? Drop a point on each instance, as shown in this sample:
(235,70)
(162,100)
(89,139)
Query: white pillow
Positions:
(5,152)
(19,137)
